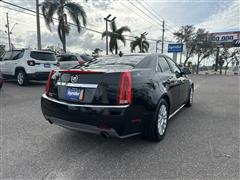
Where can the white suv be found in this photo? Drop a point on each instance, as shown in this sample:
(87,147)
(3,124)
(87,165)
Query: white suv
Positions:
(27,65)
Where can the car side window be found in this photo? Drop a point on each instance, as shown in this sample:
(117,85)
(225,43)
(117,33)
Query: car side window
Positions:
(17,55)
(163,65)
(73,58)
(7,56)
(174,67)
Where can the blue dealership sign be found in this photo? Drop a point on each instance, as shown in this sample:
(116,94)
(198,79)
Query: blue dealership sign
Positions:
(175,47)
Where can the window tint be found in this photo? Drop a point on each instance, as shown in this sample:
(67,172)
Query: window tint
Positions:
(131,61)
(86,58)
(7,56)
(17,55)
(43,56)
(163,65)
(147,62)
(173,66)
(67,58)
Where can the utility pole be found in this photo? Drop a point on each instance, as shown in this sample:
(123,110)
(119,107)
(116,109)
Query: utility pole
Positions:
(107,20)
(8,32)
(38,26)
(163,30)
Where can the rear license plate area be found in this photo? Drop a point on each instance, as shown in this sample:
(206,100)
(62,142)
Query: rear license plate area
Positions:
(47,65)
(74,94)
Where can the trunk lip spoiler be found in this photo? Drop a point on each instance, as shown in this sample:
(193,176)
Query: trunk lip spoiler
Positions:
(83,105)
(81,71)
(80,85)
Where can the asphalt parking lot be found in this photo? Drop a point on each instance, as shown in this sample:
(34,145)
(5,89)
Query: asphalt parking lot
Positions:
(202,142)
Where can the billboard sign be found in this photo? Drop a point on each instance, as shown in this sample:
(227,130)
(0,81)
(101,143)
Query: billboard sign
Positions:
(174,48)
(226,38)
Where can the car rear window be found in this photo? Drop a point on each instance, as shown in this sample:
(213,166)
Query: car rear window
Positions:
(115,60)
(43,56)
(67,58)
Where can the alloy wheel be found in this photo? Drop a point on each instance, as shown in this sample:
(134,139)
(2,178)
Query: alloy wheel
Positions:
(162,119)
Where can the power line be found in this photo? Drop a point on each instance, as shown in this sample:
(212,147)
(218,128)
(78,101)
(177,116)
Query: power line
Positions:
(150,12)
(134,12)
(153,11)
(144,12)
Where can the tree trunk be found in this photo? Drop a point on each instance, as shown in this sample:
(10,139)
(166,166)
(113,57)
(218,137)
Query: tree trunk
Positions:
(220,70)
(198,63)
(64,41)
(186,60)
(116,49)
(63,27)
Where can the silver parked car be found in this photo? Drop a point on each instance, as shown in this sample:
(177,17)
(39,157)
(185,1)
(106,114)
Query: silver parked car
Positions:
(67,61)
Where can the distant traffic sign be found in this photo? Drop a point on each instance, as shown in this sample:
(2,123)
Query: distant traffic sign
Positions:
(178,47)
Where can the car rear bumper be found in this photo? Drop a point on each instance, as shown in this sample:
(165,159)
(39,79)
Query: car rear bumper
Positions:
(38,76)
(97,119)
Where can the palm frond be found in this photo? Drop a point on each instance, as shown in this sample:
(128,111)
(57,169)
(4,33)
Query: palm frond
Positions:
(123,29)
(76,12)
(146,44)
(48,9)
(133,45)
(122,39)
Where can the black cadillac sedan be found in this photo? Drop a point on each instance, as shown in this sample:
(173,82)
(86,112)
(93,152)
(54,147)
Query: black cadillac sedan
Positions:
(118,96)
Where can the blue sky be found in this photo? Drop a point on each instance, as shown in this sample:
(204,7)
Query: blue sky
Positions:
(184,12)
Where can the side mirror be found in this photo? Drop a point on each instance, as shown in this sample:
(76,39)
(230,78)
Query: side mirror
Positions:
(185,70)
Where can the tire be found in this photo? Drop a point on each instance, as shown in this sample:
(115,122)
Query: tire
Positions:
(21,78)
(190,98)
(158,126)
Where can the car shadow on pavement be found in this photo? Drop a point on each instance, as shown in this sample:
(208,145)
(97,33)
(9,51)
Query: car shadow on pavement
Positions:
(30,84)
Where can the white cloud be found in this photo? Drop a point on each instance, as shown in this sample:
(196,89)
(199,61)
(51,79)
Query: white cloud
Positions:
(224,20)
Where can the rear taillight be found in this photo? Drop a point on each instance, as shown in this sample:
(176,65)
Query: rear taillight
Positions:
(125,92)
(31,63)
(49,82)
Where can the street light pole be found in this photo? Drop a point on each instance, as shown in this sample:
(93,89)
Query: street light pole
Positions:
(8,32)
(163,30)
(38,26)
(107,20)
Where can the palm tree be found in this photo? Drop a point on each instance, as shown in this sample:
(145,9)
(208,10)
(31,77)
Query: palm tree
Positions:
(141,42)
(61,7)
(115,35)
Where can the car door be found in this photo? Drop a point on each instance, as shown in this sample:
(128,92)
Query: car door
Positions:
(5,63)
(182,81)
(170,81)
(16,55)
